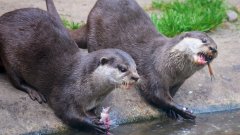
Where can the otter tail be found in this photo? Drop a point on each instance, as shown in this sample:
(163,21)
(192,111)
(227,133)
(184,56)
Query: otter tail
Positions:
(79,35)
(52,10)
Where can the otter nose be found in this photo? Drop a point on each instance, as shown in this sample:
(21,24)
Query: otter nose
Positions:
(214,50)
(135,78)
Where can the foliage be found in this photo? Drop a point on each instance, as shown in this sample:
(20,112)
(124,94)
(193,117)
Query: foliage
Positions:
(71,25)
(188,15)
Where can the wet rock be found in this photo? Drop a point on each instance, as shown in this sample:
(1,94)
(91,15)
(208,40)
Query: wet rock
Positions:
(232,16)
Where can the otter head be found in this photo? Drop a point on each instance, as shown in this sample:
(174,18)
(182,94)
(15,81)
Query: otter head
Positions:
(118,69)
(198,46)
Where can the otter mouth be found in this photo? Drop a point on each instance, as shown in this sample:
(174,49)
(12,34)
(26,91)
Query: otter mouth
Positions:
(206,58)
(203,58)
(127,85)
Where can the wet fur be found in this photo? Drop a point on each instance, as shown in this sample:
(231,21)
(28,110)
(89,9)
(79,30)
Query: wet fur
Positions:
(123,24)
(41,59)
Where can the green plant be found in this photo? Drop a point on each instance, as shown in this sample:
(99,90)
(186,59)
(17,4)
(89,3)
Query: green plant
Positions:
(188,15)
(160,4)
(71,25)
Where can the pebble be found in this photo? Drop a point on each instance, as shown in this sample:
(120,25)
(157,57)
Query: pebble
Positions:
(238,7)
(232,16)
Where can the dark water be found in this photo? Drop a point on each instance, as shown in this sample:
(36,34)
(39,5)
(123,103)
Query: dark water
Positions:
(221,123)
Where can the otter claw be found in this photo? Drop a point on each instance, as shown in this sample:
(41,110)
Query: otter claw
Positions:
(188,115)
(34,95)
(171,114)
(100,129)
(184,112)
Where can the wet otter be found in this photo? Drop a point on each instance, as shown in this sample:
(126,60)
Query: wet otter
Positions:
(164,63)
(41,59)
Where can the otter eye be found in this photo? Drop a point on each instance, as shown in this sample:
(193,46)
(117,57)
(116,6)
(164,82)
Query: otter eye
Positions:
(204,40)
(122,69)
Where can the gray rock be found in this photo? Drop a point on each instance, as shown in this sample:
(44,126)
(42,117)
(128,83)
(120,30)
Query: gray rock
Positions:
(19,114)
(232,16)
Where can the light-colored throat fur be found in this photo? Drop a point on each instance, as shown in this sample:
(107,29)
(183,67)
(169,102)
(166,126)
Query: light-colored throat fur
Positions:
(188,46)
(103,82)
(105,76)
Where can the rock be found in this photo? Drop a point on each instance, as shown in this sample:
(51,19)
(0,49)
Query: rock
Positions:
(19,114)
(238,7)
(232,16)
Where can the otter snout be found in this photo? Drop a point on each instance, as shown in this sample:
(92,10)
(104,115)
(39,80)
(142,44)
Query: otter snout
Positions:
(135,77)
(211,53)
(130,79)
(214,50)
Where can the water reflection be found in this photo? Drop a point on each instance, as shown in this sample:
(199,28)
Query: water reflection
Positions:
(222,123)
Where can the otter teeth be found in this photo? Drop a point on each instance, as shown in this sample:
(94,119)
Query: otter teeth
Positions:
(200,59)
(127,85)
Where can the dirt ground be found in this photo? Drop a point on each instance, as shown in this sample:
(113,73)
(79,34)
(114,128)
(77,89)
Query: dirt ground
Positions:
(76,10)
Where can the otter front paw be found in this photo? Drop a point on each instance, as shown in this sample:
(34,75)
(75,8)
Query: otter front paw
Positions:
(180,111)
(100,128)
(34,95)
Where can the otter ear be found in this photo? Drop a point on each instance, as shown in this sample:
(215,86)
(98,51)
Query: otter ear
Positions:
(104,60)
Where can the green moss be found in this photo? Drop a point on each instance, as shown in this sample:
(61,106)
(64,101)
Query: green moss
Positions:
(188,15)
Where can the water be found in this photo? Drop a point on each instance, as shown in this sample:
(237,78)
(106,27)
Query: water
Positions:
(221,123)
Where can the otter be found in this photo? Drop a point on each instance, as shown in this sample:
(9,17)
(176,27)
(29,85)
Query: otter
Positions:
(163,63)
(41,59)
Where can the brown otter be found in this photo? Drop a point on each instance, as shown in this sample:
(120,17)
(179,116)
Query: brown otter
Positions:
(41,59)
(164,63)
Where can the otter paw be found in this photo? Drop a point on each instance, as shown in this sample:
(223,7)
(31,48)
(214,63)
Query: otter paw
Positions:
(34,95)
(101,129)
(184,112)
(171,114)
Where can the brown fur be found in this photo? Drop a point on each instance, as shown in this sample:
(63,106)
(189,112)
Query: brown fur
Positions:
(123,24)
(41,59)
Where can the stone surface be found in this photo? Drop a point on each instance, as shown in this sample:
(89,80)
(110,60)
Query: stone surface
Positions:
(232,16)
(20,115)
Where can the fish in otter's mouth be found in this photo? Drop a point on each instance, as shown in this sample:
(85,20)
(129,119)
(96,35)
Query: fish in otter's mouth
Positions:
(205,58)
